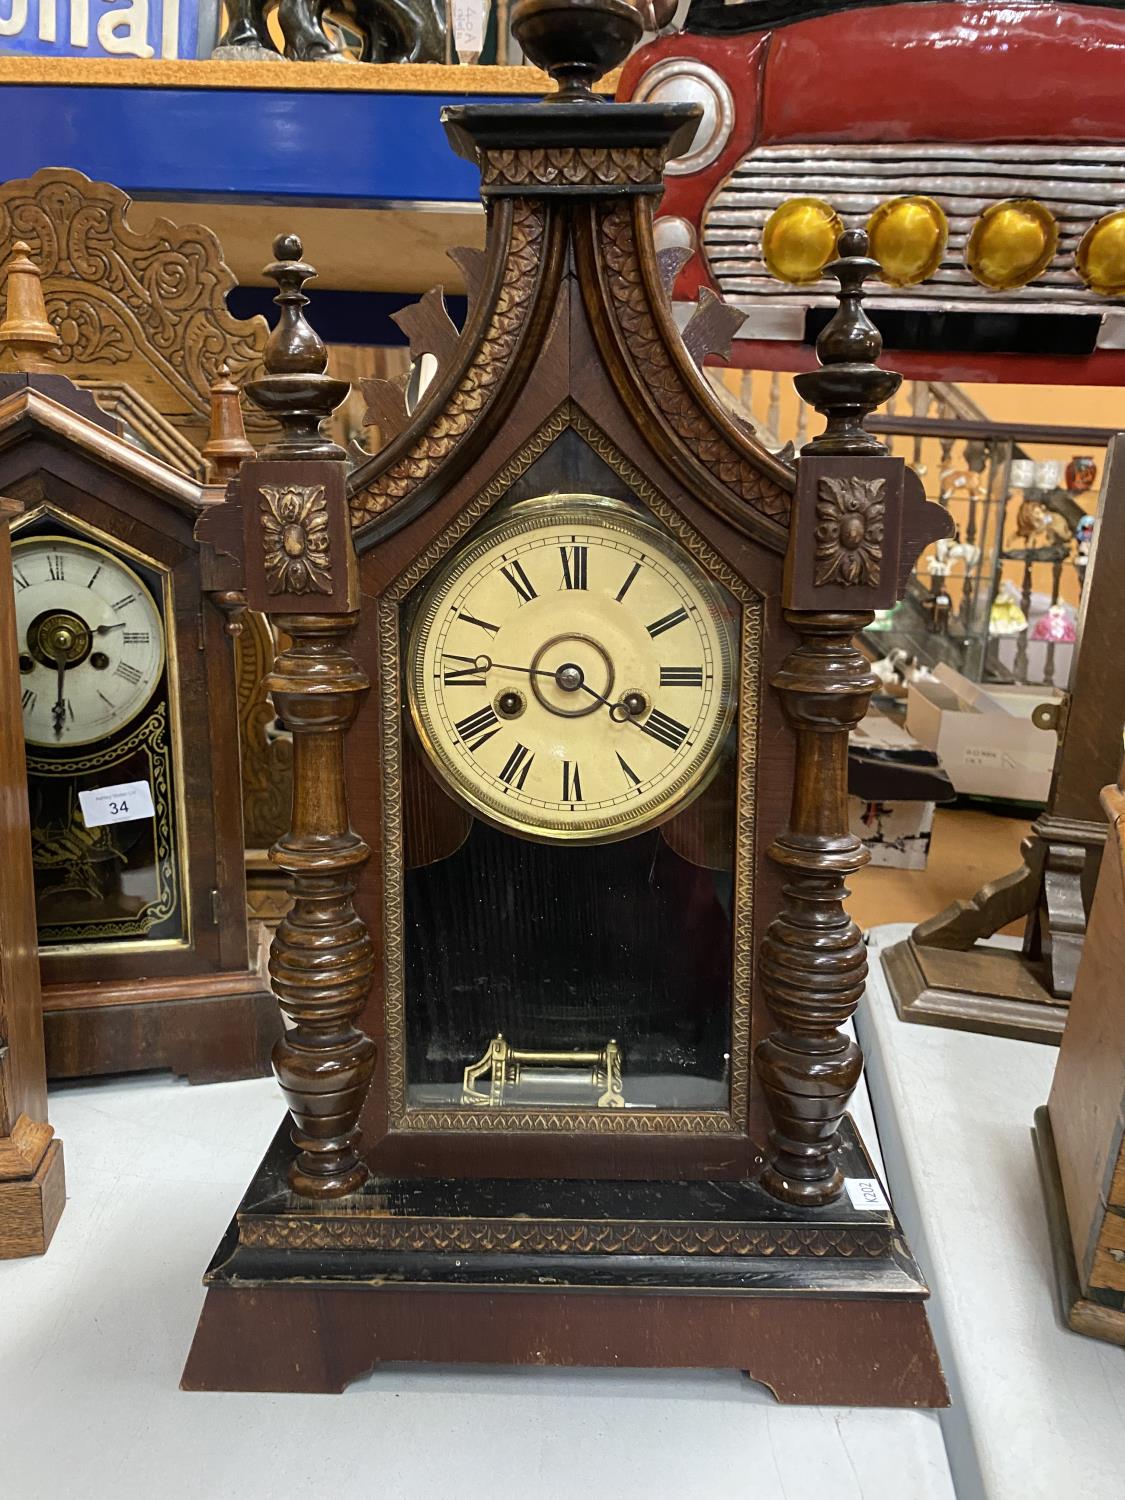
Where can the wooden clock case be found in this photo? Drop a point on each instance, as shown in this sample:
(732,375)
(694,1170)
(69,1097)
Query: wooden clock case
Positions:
(200,1006)
(32,1181)
(399,1232)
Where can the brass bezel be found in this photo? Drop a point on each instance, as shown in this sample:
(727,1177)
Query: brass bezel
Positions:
(171,666)
(578,509)
(73,541)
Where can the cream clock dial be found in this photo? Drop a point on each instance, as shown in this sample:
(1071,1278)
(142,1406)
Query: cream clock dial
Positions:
(571,672)
(90,639)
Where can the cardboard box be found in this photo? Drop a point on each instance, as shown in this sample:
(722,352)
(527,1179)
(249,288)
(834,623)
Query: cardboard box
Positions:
(896,833)
(984,738)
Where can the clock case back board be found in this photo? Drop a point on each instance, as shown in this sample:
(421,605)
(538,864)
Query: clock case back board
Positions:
(400,1233)
(195,1000)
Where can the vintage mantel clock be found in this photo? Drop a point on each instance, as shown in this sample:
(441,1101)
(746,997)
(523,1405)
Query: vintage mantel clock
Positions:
(566,1077)
(127,687)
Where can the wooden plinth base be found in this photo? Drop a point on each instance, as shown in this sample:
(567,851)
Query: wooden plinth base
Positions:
(808,1352)
(1080,1312)
(212,1029)
(820,1305)
(992,990)
(31,1208)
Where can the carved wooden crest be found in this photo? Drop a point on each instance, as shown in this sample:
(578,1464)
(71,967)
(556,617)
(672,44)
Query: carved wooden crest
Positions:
(144,309)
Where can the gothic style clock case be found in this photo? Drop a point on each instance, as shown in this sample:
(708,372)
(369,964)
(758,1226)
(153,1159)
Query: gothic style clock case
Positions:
(566,1077)
(127,688)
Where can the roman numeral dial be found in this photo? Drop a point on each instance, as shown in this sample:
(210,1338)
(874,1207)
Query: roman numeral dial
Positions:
(90,637)
(571,670)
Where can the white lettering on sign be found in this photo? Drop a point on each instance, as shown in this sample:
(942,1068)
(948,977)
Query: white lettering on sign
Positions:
(116,804)
(867,1193)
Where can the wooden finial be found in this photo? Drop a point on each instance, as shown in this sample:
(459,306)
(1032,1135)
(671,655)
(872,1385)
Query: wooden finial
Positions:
(576,41)
(850,385)
(227,444)
(295,390)
(26,331)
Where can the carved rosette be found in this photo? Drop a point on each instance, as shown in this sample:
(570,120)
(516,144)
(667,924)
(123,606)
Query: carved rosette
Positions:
(849,531)
(572,166)
(295,542)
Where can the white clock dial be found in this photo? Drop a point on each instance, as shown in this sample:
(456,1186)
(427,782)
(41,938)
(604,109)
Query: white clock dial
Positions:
(571,672)
(90,640)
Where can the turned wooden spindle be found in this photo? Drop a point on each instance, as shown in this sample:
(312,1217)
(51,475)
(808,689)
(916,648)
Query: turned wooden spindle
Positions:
(813,962)
(321,960)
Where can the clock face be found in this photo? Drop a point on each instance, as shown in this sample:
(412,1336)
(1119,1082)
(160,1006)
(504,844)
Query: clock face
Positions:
(90,640)
(571,671)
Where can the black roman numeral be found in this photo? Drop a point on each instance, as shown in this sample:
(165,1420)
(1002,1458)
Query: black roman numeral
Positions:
(56,567)
(668,731)
(625,587)
(28,699)
(519,580)
(130,673)
(109,703)
(574,564)
(122,603)
(681,676)
(135,637)
(94,575)
(658,627)
(517,766)
(462,677)
(627,768)
(472,620)
(572,785)
(476,729)
(21,581)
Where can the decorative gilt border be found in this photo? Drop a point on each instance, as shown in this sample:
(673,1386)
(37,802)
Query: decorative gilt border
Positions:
(151,738)
(564,1237)
(604,1122)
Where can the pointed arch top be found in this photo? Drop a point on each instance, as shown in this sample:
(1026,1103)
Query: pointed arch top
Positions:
(570,190)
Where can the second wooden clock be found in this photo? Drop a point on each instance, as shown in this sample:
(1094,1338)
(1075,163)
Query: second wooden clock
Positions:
(126,680)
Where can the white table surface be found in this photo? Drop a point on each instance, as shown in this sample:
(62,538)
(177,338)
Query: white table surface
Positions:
(1038,1411)
(93,1337)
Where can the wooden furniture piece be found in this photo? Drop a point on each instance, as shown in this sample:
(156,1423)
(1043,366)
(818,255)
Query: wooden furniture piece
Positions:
(566,1077)
(939,974)
(32,1180)
(126,676)
(1080,1133)
(143,325)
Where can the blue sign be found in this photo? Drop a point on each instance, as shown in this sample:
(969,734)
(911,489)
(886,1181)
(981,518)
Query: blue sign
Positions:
(109,28)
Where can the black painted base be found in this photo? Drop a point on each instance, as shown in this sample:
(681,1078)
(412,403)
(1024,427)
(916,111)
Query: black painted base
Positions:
(820,1304)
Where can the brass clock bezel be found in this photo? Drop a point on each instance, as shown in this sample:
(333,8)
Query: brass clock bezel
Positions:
(578,508)
(63,538)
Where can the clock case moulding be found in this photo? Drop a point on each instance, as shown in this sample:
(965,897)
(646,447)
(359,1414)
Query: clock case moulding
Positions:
(202,1006)
(32,1179)
(372,1232)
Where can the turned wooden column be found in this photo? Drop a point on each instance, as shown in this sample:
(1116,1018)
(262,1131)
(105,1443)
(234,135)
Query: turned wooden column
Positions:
(300,569)
(858,522)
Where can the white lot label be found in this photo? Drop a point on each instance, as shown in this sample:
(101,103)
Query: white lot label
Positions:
(866,1192)
(116,804)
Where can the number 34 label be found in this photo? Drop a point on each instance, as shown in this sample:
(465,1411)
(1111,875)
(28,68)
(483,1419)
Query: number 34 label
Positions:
(116,804)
